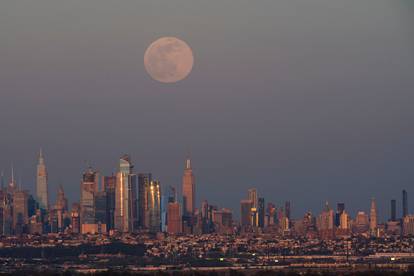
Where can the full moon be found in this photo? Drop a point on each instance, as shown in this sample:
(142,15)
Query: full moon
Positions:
(168,60)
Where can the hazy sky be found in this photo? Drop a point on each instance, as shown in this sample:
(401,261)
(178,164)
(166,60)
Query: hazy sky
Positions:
(306,100)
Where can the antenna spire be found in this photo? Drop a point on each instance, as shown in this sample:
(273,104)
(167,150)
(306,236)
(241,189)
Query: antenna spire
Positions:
(12,172)
(2,180)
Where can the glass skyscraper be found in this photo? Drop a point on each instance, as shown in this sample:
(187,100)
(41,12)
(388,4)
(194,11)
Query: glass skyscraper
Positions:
(126,203)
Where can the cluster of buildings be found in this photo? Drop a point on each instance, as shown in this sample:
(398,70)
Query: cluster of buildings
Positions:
(125,202)
(132,202)
(329,224)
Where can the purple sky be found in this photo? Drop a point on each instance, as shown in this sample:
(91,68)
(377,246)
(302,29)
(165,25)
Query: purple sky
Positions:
(306,100)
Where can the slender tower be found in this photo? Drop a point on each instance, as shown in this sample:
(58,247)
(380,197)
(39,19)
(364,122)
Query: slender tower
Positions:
(373,217)
(126,203)
(41,183)
(393,210)
(188,189)
(12,184)
(2,181)
(252,194)
(404,204)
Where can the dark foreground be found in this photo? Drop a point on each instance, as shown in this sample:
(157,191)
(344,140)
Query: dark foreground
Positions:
(221,272)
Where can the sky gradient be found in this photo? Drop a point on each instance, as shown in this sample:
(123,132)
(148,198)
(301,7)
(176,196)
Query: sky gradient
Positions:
(306,100)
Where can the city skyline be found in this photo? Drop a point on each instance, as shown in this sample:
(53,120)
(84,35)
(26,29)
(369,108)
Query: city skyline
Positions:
(301,97)
(207,137)
(252,193)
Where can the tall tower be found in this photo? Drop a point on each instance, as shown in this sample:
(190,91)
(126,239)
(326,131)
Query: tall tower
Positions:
(188,189)
(61,200)
(261,212)
(12,184)
(2,181)
(144,180)
(326,223)
(109,183)
(60,208)
(89,186)
(373,217)
(174,218)
(404,203)
(245,209)
(344,220)
(393,210)
(252,196)
(126,208)
(154,206)
(41,183)
(20,211)
(287,209)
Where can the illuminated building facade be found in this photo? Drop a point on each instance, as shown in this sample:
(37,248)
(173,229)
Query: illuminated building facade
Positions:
(144,180)
(154,206)
(174,218)
(89,186)
(188,190)
(42,192)
(109,184)
(126,201)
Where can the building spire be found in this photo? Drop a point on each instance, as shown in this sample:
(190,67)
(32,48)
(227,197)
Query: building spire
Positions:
(2,180)
(188,163)
(12,173)
(20,182)
(12,183)
(327,206)
(41,159)
(60,190)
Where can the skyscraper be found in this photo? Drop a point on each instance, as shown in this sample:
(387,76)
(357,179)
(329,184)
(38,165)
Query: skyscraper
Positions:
(393,210)
(189,201)
(245,211)
(408,225)
(61,208)
(172,194)
(326,223)
(41,183)
(252,196)
(109,184)
(287,209)
(61,200)
(344,220)
(20,211)
(340,207)
(100,202)
(144,180)
(2,181)
(154,206)
(11,188)
(174,218)
(89,186)
(261,212)
(373,217)
(404,203)
(223,220)
(6,208)
(361,223)
(126,208)
(75,218)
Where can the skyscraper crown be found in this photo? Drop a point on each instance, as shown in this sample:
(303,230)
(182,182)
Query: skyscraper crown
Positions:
(188,163)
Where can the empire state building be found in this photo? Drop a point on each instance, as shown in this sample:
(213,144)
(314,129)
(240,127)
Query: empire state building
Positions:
(188,189)
(41,183)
